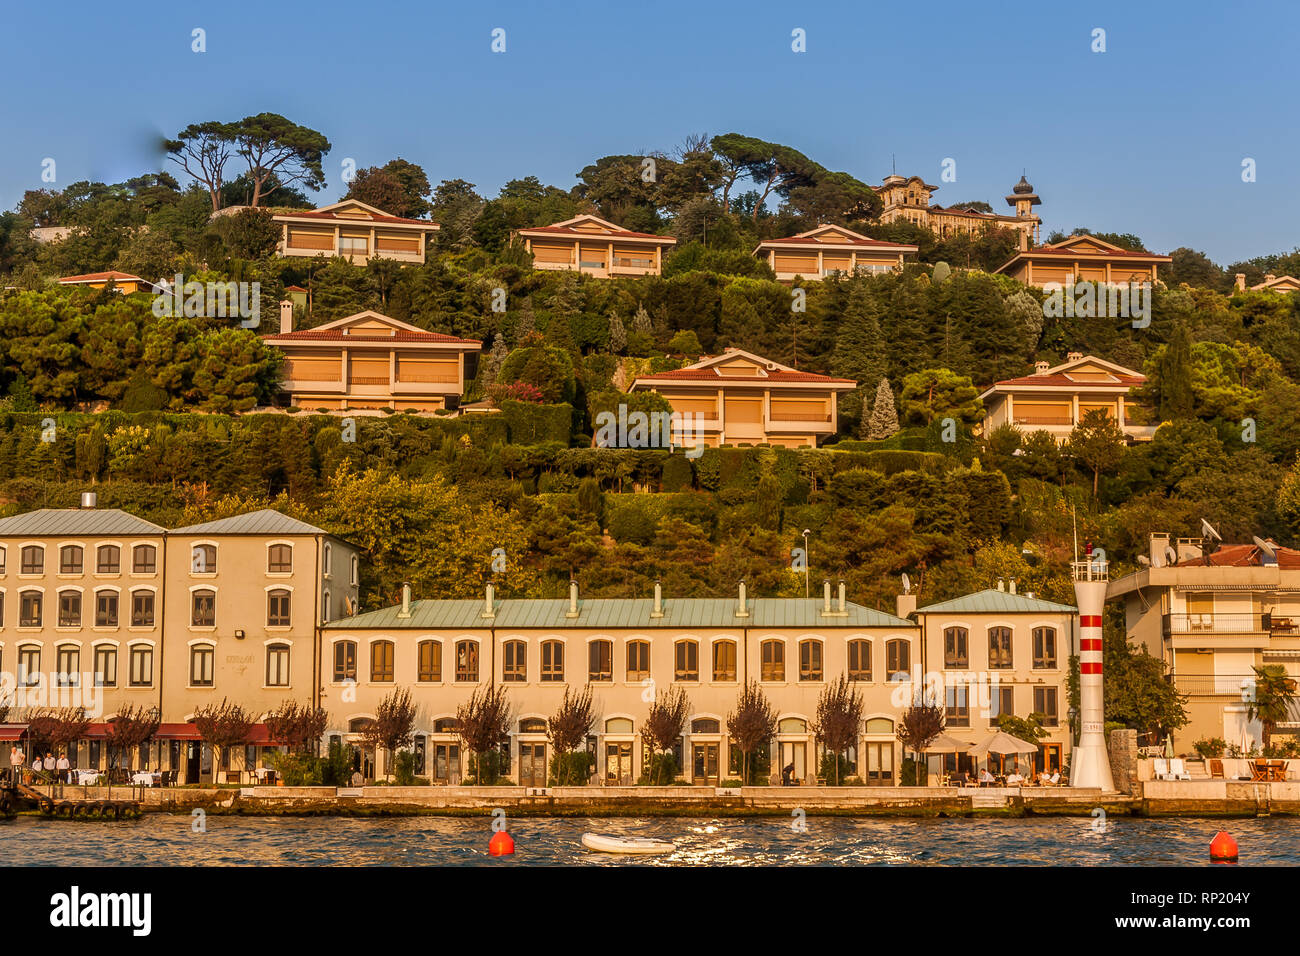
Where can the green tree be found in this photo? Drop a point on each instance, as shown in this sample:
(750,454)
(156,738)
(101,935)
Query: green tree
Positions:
(935,394)
(1274,695)
(279,154)
(1097,442)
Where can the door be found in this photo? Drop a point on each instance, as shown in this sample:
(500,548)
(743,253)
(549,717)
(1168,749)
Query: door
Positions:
(794,757)
(532,765)
(193,761)
(618,765)
(174,753)
(704,764)
(880,765)
(446,764)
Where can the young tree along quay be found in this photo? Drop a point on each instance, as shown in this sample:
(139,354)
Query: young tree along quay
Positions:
(567,731)
(223,727)
(837,723)
(663,725)
(751,725)
(393,726)
(483,723)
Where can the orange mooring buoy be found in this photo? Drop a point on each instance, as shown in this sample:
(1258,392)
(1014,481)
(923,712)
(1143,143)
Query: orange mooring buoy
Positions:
(1223,848)
(503,844)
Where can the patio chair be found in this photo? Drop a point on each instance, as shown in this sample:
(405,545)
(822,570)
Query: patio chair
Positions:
(1177,771)
(957,780)
(1216,767)
(1160,769)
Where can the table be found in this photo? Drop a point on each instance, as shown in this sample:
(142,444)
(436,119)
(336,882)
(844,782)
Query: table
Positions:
(264,775)
(146,779)
(87,777)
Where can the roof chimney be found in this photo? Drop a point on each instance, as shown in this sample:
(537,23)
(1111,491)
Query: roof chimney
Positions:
(286,316)
(906,605)
(1240,283)
(405,612)
(1040,368)
(1002,586)
(89,499)
(573,599)
(826,598)
(489,602)
(742,608)
(1074,356)
(1011,585)
(844,611)
(1269,277)
(659,601)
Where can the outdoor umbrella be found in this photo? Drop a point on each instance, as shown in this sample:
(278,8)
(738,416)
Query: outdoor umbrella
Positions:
(943,744)
(1002,743)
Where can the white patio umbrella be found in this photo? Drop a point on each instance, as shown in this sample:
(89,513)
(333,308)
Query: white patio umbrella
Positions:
(1002,743)
(943,744)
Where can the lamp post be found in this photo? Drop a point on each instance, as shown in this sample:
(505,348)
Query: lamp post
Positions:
(807,592)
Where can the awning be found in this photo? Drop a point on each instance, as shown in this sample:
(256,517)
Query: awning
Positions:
(13,732)
(177,732)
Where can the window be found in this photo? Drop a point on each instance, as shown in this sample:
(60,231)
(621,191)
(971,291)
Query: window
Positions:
(142,609)
(201,659)
(69,609)
(429,667)
(108,559)
(69,665)
(355,566)
(29,609)
(144,559)
(999,647)
(4,553)
(327,559)
(353,245)
(467,662)
(106,667)
(860,660)
(773,666)
(279,559)
(1045,704)
(70,559)
(277,608)
(552,661)
(955,650)
(277,665)
(1045,647)
(204,609)
(687,661)
(141,666)
(515,666)
(706,725)
(29,665)
(898,659)
(203,559)
(33,559)
(638,660)
(345,661)
(810,660)
(600,661)
(958,707)
(106,609)
(381,661)
(1001,702)
(724,660)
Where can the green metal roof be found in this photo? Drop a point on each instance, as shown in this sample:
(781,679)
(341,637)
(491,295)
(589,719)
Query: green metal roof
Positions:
(265,521)
(76,521)
(993,601)
(613,613)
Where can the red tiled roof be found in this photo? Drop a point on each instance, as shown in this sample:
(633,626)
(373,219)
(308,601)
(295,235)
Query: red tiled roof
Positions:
(1074,253)
(842,241)
(1244,556)
(709,375)
(101,276)
(1064,380)
(620,234)
(337,335)
(355,220)
(294,288)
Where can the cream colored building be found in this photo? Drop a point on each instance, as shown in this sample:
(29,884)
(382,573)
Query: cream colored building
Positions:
(1271,283)
(1055,398)
(370,361)
(1212,618)
(1082,258)
(831,250)
(908,199)
(739,398)
(595,247)
(354,231)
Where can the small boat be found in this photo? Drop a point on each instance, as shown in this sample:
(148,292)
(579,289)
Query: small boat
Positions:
(602,843)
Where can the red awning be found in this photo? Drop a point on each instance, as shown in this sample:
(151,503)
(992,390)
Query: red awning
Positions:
(177,731)
(13,732)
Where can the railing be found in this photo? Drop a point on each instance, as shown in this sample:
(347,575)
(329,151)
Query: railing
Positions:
(1044,420)
(1226,624)
(367,380)
(1095,570)
(1213,685)
(800,417)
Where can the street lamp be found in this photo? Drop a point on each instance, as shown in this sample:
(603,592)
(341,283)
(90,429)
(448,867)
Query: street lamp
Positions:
(807,593)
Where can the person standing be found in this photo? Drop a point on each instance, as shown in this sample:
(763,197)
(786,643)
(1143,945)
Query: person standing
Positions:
(17,763)
(50,765)
(65,767)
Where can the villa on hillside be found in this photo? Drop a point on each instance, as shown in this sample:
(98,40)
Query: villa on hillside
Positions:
(123,282)
(595,247)
(828,250)
(371,361)
(744,399)
(1082,258)
(1055,399)
(353,230)
(908,199)
(1271,283)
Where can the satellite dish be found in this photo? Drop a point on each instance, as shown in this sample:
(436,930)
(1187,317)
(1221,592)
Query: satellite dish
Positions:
(1207,530)
(907,584)
(1144,560)
(1171,556)
(1266,546)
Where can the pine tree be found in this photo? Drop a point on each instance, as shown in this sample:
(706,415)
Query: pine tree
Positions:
(617,333)
(884,416)
(859,351)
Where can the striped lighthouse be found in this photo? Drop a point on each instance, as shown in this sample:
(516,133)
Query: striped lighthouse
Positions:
(1090,763)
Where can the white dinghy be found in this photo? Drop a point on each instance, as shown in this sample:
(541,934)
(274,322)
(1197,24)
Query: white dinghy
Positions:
(603,843)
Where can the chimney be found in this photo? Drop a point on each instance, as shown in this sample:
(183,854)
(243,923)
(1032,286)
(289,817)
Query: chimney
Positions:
(1157,553)
(1002,586)
(1240,284)
(844,611)
(906,605)
(89,499)
(1269,277)
(489,603)
(659,601)
(573,599)
(826,598)
(742,609)
(1011,585)
(405,612)
(1074,356)
(1040,368)
(286,316)
(1024,241)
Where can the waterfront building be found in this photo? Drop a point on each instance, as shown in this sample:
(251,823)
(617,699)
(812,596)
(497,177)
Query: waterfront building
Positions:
(831,250)
(1212,615)
(908,199)
(353,231)
(595,247)
(371,361)
(1082,258)
(1055,398)
(739,398)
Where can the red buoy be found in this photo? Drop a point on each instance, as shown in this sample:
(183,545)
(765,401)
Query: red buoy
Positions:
(1223,848)
(503,844)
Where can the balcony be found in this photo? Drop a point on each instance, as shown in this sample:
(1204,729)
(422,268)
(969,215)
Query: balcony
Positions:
(1229,624)
(1213,685)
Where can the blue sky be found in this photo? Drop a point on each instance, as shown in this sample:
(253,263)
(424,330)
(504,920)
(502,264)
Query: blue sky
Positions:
(1148,137)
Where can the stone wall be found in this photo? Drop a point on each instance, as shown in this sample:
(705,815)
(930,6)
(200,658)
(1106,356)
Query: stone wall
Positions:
(1122,746)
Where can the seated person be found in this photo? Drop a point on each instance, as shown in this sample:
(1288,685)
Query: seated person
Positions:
(1014,779)
(986,778)
(1055,778)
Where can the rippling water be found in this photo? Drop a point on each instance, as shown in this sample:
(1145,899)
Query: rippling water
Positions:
(423,841)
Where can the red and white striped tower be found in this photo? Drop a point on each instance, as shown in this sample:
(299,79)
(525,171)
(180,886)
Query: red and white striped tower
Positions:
(1090,764)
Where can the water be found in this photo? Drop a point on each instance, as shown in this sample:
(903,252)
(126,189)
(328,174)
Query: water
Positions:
(165,840)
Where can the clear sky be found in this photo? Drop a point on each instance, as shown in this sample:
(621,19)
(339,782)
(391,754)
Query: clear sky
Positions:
(1147,137)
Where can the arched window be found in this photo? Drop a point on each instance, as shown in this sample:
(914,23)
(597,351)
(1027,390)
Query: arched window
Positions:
(277,608)
(355,567)
(898,659)
(514,668)
(69,609)
(29,609)
(108,559)
(70,556)
(792,725)
(618,725)
(532,725)
(999,647)
(552,661)
(279,559)
(105,666)
(33,560)
(686,661)
(142,608)
(956,650)
(106,608)
(345,660)
(359,725)
(880,725)
(705,725)
(860,660)
(429,662)
(638,660)
(202,658)
(204,608)
(467,661)
(1045,647)
(600,661)
(724,660)
(773,664)
(29,665)
(810,660)
(144,559)
(141,665)
(69,665)
(327,558)
(446,725)
(203,559)
(277,665)
(381,661)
